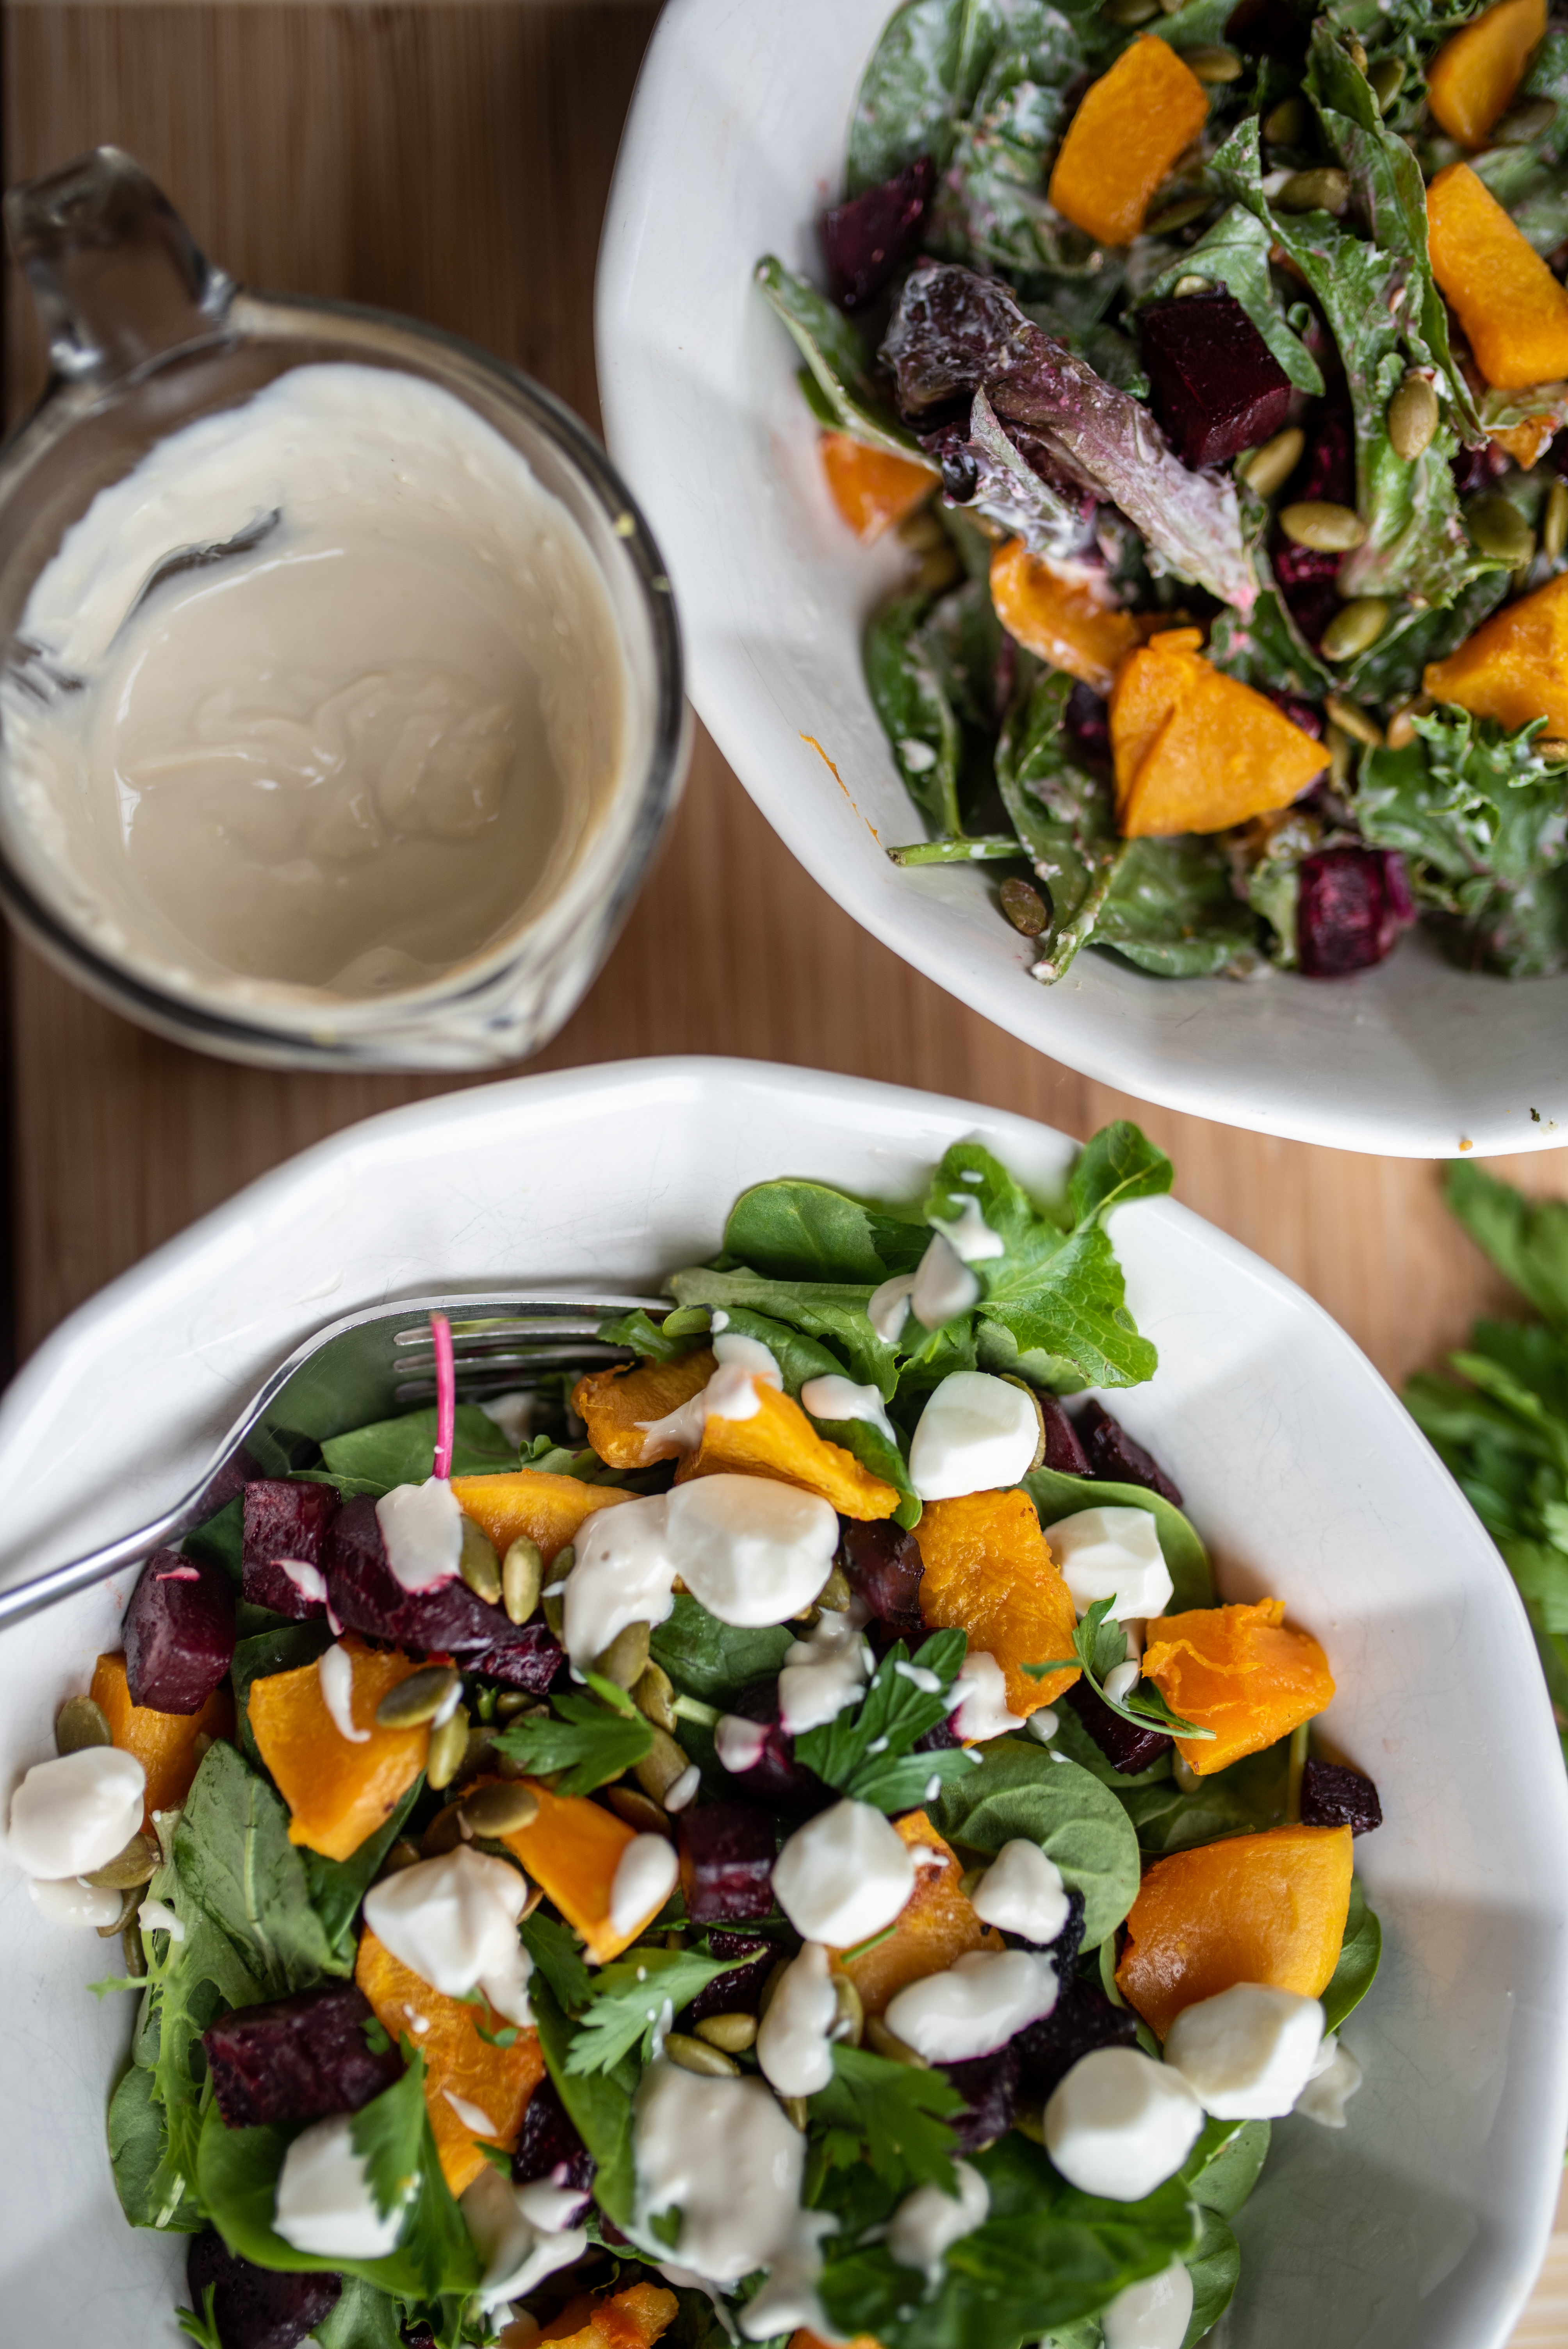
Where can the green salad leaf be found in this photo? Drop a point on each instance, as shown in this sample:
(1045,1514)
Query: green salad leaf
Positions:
(233,1849)
(837,363)
(558,1955)
(912,701)
(1247,1798)
(1021,1789)
(866,1752)
(598,2105)
(400,1451)
(892,2117)
(1215,2265)
(1099,1644)
(589,1741)
(629,1998)
(388,2134)
(713,1661)
(1225,2164)
(1360,1955)
(1058,1495)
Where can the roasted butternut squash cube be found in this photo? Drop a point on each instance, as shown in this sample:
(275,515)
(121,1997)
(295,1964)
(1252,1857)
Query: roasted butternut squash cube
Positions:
(1528,442)
(989,1571)
(1239,1670)
(169,1745)
(1065,622)
(1131,126)
(631,2320)
(1149,686)
(572,1848)
(1250,1909)
(872,488)
(337,1791)
(1472,80)
(936,1926)
(1513,311)
(1197,752)
(1515,667)
(779,1441)
(617,1406)
(551,1510)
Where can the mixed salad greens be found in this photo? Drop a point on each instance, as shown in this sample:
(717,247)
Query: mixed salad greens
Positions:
(1209,358)
(774,1838)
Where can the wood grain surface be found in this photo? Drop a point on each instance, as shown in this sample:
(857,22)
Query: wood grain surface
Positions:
(453,162)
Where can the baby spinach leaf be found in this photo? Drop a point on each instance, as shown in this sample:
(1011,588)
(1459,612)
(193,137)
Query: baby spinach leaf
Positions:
(401,1451)
(1019,1790)
(1215,2266)
(200,1977)
(836,356)
(647,1338)
(558,1955)
(916,710)
(1234,253)
(1245,1799)
(1360,1954)
(338,1886)
(629,1997)
(363,2318)
(599,2105)
(1057,1495)
(866,1751)
(588,1742)
(1225,2164)
(794,1230)
(388,2135)
(138,2145)
(938,60)
(834,1311)
(235,1858)
(892,2117)
(714,1660)
(222,1540)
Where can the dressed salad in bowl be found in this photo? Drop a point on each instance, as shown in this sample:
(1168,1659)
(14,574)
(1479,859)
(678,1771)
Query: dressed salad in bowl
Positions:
(776,1836)
(1211,359)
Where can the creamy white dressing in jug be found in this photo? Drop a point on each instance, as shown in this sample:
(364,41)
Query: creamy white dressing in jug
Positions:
(356,751)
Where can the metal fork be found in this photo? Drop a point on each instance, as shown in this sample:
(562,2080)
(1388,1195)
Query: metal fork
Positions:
(367,1367)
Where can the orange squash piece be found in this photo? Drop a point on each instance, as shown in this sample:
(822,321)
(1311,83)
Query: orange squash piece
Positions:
(338,1793)
(495,2081)
(1239,1672)
(1148,688)
(573,1849)
(780,1441)
(165,1743)
(935,1927)
(1195,751)
(1515,667)
(1472,80)
(805,2340)
(1513,311)
(989,1572)
(1528,441)
(1251,1909)
(551,1510)
(872,488)
(1064,622)
(1133,123)
(612,1404)
(632,2319)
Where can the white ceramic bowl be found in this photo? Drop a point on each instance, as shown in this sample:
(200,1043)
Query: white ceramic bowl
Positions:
(735,143)
(1422,2223)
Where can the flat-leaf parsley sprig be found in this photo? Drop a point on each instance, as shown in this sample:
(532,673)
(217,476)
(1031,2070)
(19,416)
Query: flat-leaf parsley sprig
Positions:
(1101,1645)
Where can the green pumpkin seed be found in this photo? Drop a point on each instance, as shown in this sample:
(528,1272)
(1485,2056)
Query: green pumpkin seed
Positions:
(419,1698)
(626,1659)
(509,1703)
(1413,418)
(1330,529)
(848,2015)
(1388,79)
(499,1810)
(1267,468)
(1355,627)
(521,1578)
(80,1724)
(1352,721)
(448,1744)
(444,1833)
(138,1864)
(479,1565)
(1402,725)
(1321,189)
(132,1951)
(130,1901)
(1355,53)
(835,1594)
(630,1804)
(1554,523)
(654,1694)
(732,2033)
(403,1854)
(1288,124)
(888,2043)
(1497,528)
(1522,125)
(1179,214)
(697,2055)
(658,1773)
(1212,63)
(1183,291)
(797,2110)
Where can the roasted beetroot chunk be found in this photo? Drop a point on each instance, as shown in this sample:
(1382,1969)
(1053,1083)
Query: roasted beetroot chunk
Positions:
(1082,2019)
(256,2308)
(866,239)
(367,1597)
(298,2059)
(1064,1445)
(989,2087)
(739,1991)
(1118,1457)
(775,1777)
(1214,382)
(883,1566)
(527,1657)
(728,1851)
(1353,905)
(179,1633)
(286,1520)
(1064,1949)
(1332,1796)
(549,2146)
(1127,1748)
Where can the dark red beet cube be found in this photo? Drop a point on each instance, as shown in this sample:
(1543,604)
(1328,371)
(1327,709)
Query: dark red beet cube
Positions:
(1475,470)
(367,1596)
(727,1850)
(1082,2019)
(1126,1747)
(1064,1446)
(989,2087)
(298,2059)
(883,1566)
(776,1776)
(1350,911)
(1064,1949)
(1214,382)
(940,1738)
(256,2308)
(286,1520)
(179,1632)
(1328,470)
(527,1657)
(1118,1457)
(739,1991)
(1332,1796)
(549,2146)
(866,239)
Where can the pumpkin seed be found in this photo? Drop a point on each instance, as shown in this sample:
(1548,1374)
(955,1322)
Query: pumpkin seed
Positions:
(1182,213)
(1024,1387)
(1029,2119)
(731,2033)
(419,1698)
(1288,124)
(1388,79)
(849,2027)
(658,1773)
(511,1702)
(1355,53)
(1554,752)
(1355,627)
(1554,521)
(654,1694)
(1270,467)
(888,2043)
(403,1854)
(1322,190)
(132,1950)
(448,1744)
(553,1610)
(561,1564)
(479,1565)
(626,1659)
(1353,722)
(1497,528)
(1413,418)
(776,1975)
(1329,529)
(835,1594)
(1130,12)
(499,1810)
(1212,63)
(630,1804)
(130,1900)
(80,1724)
(697,2055)
(1402,725)
(1524,124)
(796,2112)
(139,1863)
(444,1833)
(521,1578)
(1183,289)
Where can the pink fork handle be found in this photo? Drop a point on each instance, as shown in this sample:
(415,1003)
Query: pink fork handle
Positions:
(446,1394)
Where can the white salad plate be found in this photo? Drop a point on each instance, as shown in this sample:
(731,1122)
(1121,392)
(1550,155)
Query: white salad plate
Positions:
(735,144)
(1421,2224)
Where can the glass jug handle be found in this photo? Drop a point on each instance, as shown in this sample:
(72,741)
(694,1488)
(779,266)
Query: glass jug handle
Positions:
(116,275)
